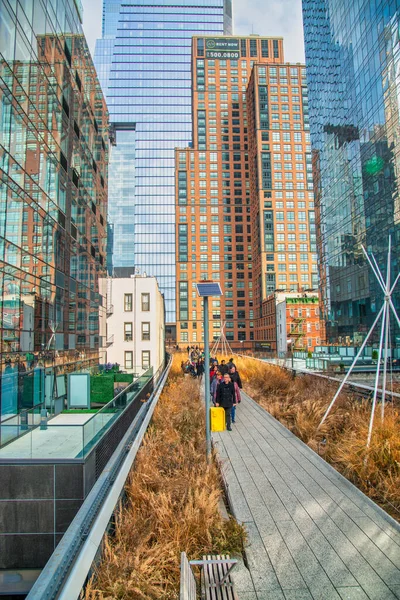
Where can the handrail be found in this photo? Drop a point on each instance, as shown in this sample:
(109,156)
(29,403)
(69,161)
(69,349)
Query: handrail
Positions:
(68,567)
(349,384)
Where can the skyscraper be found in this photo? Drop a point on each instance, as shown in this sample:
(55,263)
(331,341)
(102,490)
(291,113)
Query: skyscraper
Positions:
(143,62)
(353,63)
(244,198)
(53,203)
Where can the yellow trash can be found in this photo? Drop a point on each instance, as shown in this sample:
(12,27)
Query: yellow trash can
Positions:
(217,418)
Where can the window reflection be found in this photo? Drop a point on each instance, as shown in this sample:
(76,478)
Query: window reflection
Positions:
(53,200)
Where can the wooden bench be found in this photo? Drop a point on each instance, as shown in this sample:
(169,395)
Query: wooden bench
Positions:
(216,582)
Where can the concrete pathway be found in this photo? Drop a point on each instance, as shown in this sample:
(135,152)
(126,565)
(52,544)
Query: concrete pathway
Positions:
(312,534)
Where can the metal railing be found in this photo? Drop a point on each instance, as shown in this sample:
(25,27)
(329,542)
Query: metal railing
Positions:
(357,389)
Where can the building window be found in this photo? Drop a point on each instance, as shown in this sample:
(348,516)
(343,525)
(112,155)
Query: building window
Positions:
(145,331)
(128,364)
(145,302)
(128,332)
(145,359)
(128,302)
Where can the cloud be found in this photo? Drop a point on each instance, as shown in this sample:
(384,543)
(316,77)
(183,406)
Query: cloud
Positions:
(281,18)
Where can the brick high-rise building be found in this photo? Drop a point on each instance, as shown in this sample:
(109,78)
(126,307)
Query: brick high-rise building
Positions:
(281,187)
(232,175)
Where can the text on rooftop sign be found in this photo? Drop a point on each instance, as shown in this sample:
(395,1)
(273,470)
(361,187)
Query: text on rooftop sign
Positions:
(222,48)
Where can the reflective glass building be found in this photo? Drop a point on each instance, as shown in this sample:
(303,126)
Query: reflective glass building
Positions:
(143,61)
(353,67)
(53,206)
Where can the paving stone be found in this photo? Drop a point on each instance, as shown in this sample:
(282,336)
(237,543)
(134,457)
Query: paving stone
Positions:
(297,595)
(380,592)
(311,570)
(237,500)
(248,596)
(367,548)
(242,578)
(352,593)
(357,565)
(380,538)
(269,495)
(332,564)
(275,595)
(396,590)
(261,569)
(285,567)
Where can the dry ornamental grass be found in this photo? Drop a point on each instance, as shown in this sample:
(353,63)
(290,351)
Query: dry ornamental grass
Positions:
(171,505)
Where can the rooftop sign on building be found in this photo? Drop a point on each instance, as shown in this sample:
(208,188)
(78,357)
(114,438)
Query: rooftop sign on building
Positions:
(222,48)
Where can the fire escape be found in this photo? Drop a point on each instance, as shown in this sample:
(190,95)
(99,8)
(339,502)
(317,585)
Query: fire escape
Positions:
(297,333)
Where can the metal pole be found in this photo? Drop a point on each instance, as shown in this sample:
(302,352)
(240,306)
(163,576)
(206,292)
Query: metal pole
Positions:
(385,360)
(371,422)
(386,318)
(207,378)
(352,366)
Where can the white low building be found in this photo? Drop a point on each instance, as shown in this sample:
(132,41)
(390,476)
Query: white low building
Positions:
(134,332)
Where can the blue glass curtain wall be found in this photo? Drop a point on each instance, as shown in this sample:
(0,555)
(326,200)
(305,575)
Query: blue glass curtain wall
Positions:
(143,62)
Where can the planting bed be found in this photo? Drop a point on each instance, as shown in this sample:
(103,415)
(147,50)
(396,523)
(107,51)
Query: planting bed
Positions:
(171,504)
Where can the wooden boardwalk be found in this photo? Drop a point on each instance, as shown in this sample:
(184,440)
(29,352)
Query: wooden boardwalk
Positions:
(312,534)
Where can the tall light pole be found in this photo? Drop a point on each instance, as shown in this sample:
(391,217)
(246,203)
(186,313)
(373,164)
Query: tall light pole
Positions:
(205,290)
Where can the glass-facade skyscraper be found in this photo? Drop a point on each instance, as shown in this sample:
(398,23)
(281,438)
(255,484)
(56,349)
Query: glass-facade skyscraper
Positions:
(53,206)
(353,67)
(143,62)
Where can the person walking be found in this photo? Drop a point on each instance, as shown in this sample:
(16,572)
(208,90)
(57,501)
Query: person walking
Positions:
(216,380)
(235,376)
(223,367)
(213,372)
(226,398)
(200,368)
(238,400)
(231,364)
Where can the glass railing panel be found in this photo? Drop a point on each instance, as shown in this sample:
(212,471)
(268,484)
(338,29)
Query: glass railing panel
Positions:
(27,436)
(101,421)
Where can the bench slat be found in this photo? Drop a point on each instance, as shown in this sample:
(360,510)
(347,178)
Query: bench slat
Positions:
(217,578)
(188,581)
(210,591)
(213,573)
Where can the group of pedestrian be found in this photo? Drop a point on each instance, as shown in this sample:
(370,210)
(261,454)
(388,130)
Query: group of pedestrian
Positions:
(225,386)
(194,365)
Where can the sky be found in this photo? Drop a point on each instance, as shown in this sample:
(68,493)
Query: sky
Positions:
(265,17)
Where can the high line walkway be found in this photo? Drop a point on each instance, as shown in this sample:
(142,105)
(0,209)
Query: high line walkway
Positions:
(312,535)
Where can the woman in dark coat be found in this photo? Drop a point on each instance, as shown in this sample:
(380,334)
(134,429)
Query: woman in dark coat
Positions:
(226,398)
(235,377)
